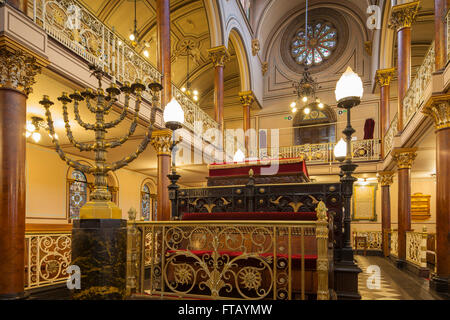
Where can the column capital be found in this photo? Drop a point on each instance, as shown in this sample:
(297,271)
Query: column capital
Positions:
(404,157)
(385,178)
(438,108)
(219,56)
(247,98)
(383,77)
(162,141)
(17,69)
(403,15)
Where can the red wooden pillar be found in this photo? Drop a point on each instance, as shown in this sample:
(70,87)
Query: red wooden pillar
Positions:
(21,69)
(385,178)
(440,32)
(438,108)
(247,98)
(401,19)
(404,158)
(383,78)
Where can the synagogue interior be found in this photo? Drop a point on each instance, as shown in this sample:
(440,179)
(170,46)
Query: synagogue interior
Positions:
(225,149)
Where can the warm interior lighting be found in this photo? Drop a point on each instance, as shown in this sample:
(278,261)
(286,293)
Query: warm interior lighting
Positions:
(119,42)
(183,89)
(195,92)
(305,99)
(132,37)
(293,105)
(195,98)
(340,150)
(239,156)
(36,136)
(146,54)
(307,110)
(56,136)
(173,112)
(320,105)
(30,127)
(294,110)
(27,134)
(349,85)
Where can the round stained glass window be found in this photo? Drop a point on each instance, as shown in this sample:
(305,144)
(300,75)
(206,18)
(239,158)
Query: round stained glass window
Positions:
(320,43)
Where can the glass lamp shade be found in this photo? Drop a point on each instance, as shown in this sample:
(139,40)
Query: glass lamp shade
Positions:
(173,113)
(239,156)
(349,85)
(340,150)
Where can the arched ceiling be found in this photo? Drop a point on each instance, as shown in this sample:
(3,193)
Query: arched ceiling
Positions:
(189,23)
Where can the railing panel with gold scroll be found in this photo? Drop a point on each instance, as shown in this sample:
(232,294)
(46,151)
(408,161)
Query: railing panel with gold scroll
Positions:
(416,248)
(373,240)
(249,260)
(363,150)
(415,96)
(390,134)
(47,256)
(394,243)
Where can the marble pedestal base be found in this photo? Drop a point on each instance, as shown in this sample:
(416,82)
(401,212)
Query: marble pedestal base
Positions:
(99,248)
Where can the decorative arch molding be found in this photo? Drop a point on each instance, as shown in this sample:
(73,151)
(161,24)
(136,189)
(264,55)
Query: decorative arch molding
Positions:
(213,14)
(242,57)
(386,39)
(151,183)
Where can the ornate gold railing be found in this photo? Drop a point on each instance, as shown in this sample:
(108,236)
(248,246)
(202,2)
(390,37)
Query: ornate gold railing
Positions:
(72,25)
(415,95)
(390,134)
(416,247)
(367,240)
(363,150)
(232,259)
(47,256)
(394,243)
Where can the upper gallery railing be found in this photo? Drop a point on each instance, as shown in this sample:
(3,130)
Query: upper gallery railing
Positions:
(47,256)
(415,95)
(448,35)
(363,150)
(69,23)
(416,247)
(390,134)
(249,260)
(394,243)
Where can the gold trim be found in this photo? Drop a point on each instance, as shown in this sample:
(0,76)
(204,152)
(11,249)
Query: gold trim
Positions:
(438,108)
(251,164)
(12,45)
(403,15)
(383,77)
(404,157)
(162,140)
(219,56)
(385,178)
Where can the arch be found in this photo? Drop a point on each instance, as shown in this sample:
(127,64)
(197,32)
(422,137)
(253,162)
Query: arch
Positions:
(148,202)
(317,126)
(213,16)
(386,40)
(241,53)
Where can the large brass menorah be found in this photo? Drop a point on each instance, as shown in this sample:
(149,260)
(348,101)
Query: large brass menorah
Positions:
(100,103)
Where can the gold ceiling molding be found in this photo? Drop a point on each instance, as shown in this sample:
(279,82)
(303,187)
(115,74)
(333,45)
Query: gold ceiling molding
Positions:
(404,157)
(219,56)
(383,77)
(162,141)
(403,15)
(438,108)
(385,178)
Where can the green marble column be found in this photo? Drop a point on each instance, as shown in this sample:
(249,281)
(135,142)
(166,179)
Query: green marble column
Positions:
(99,248)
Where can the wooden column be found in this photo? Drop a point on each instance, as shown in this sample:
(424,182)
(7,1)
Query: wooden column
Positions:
(18,72)
(247,98)
(164,59)
(219,56)
(440,32)
(383,78)
(385,178)
(161,141)
(401,19)
(404,158)
(438,108)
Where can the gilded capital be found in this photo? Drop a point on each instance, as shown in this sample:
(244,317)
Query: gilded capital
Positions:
(162,141)
(385,178)
(438,108)
(264,67)
(247,98)
(404,157)
(383,77)
(18,70)
(403,15)
(219,56)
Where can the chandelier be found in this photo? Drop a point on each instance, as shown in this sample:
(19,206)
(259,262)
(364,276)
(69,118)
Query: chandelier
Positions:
(305,90)
(192,93)
(32,129)
(134,35)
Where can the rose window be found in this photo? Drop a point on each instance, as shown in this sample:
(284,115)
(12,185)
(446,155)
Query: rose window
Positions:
(319,45)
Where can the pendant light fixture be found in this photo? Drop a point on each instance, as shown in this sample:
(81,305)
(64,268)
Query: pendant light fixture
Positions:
(192,93)
(134,35)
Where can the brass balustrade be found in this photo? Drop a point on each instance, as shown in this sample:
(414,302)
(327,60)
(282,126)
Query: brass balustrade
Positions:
(363,150)
(394,243)
(47,256)
(416,247)
(373,240)
(232,259)
(390,134)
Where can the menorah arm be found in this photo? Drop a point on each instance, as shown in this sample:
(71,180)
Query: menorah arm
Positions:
(72,163)
(75,143)
(122,116)
(142,146)
(83,124)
